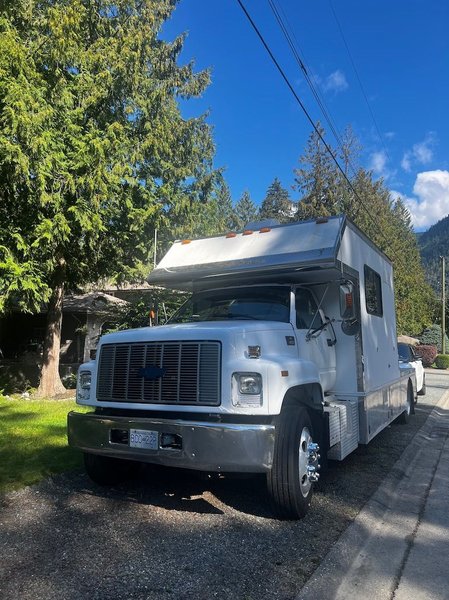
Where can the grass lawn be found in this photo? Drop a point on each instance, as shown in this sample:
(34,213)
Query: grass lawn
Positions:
(33,441)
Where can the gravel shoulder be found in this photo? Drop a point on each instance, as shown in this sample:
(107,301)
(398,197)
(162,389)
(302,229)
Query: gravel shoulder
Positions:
(171,535)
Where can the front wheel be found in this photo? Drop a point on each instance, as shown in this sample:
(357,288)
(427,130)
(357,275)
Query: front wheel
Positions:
(107,470)
(295,464)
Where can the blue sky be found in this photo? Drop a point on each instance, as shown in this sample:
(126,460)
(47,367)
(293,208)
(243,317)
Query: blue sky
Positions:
(401,53)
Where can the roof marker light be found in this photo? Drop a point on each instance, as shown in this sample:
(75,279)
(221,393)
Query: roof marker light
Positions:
(231,234)
(248,232)
(264,229)
(186,242)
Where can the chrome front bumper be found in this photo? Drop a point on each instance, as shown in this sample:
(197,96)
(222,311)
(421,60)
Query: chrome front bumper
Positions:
(203,446)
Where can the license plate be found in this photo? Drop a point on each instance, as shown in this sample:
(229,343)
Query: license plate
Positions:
(141,438)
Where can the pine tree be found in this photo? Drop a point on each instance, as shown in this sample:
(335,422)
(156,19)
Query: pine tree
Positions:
(94,152)
(225,207)
(245,211)
(277,204)
(369,204)
(317,180)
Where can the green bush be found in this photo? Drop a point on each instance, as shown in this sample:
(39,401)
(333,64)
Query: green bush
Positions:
(442,361)
(432,337)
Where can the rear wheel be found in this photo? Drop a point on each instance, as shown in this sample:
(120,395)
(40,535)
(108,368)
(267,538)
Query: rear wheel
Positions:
(107,470)
(295,464)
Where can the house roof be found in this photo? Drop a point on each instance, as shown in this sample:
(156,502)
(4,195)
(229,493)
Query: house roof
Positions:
(94,302)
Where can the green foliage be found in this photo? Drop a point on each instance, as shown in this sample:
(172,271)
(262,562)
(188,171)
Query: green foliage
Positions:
(432,335)
(137,314)
(385,221)
(442,361)
(433,244)
(33,441)
(245,211)
(94,152)
(317,180)
(277,203)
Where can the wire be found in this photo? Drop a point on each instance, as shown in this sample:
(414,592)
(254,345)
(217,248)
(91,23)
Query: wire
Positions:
(318,97)
(309,118)
(358,79)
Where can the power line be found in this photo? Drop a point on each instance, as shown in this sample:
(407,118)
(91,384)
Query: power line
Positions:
(358,79)
(293,44)
(309,118)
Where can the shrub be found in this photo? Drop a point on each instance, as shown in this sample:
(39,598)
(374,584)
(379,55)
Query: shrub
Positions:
(432,336)
(442,361)
(428,354)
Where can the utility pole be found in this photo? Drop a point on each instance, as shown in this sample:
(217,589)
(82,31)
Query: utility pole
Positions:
(443,309)
(155,248)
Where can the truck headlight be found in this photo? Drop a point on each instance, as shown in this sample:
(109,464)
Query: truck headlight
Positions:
(83,386)
(247,389)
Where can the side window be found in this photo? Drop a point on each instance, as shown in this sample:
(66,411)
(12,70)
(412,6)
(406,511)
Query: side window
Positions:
(307,314)
(373,292)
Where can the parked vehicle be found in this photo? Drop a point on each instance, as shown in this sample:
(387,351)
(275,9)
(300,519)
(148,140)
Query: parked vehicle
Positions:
(287,348)
(408,357)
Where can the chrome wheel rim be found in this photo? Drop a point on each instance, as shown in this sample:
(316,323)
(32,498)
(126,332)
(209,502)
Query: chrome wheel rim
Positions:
(303,462)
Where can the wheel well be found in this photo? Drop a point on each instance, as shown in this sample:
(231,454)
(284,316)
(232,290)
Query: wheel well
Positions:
(311,396)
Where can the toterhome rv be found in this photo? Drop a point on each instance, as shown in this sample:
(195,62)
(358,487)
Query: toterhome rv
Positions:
(285,350)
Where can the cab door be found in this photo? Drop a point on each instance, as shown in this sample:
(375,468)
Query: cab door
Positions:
(315,336)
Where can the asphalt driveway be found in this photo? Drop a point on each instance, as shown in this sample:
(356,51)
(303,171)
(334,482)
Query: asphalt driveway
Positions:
(171,535)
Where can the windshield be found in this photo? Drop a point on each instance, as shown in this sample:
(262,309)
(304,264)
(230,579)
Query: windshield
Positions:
(261,303)
(404,353)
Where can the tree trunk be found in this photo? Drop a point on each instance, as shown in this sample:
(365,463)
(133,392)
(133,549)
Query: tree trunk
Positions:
(50,382)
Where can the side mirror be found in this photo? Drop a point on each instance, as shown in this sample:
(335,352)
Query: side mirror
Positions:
(348,311)
(347,302)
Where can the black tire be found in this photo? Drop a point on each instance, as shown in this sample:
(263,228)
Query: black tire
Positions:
(422,391)
(404,417)
(107,470)
(288,485)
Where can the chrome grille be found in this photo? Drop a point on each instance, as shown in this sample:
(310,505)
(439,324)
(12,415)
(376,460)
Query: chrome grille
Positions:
(190,373)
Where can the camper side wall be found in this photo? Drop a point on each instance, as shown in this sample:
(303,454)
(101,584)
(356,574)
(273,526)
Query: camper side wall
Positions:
(377,310)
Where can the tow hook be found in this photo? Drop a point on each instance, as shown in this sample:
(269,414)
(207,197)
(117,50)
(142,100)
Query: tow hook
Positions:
(313,465)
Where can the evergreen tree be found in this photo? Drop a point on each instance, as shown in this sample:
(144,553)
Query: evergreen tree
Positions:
(277,204)
(94,152)
(369,204)
(225,207)
(245,211)
(317,180)
(434,244)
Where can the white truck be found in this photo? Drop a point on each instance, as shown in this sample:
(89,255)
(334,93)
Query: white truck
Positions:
(287,345)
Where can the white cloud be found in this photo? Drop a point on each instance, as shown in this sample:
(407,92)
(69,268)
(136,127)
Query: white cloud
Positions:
(421,153)
(335,82)
(406,163)
(378,163)
(431,201)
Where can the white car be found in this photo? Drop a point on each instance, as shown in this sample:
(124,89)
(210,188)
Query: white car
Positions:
(408,357)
